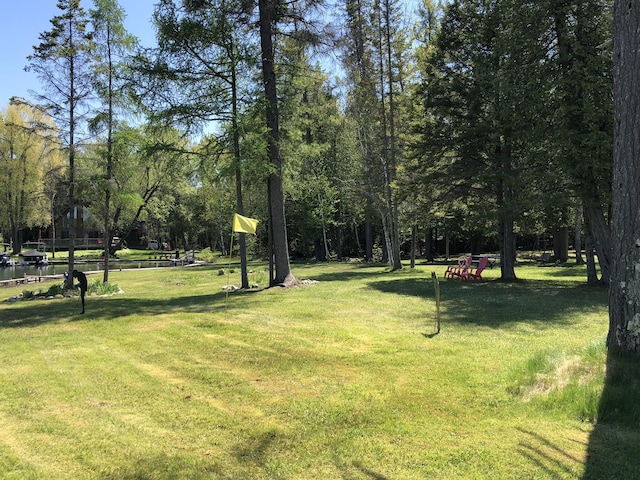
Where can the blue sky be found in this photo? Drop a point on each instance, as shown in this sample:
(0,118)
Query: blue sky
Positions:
(22,23)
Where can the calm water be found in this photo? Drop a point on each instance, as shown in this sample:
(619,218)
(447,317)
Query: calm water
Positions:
(19,271)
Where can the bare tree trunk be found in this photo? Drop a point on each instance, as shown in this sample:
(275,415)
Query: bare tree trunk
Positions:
(601,237)
(414,245)
(577,236)
(507,240)
(624,291)
(589,249)
(429,245)
(368,236)
(505,196)
(392,161)
(283,275)
(561,244)
(109,172)
(242,241)
(16,239)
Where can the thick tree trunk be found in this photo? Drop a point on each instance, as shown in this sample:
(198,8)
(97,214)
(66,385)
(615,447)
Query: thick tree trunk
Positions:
(561,244)
(242,242)
(624,291)
(589,249)
(16,239)
(600,231)
(283,275)
(507,240)
(339,240)
(428,248)
(368,238)
(392,236)
(504,198)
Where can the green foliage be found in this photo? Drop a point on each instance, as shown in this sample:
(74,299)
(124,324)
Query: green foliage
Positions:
(62,61)
(258,278)
(56,289)
(565,381)
(53,290)
(512,127)
(30,162)
(97,287)
(28,294)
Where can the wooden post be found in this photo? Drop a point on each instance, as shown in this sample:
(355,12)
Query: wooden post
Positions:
(436,286)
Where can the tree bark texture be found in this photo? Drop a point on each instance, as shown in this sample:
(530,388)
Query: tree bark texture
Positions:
(600,231)
(507,241)
(561,244)
(577,236)
(283,275)
(624,289)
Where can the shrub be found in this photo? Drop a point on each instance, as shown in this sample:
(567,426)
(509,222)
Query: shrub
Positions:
(99,288)
(57,289)
(258,278)
(208,256)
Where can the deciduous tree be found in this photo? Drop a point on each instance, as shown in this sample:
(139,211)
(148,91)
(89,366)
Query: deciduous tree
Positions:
(28,153)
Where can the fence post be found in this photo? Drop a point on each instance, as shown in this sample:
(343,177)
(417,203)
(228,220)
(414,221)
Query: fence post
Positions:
(436,286)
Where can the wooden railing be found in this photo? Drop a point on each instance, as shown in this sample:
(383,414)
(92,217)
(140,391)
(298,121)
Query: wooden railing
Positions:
(85,243)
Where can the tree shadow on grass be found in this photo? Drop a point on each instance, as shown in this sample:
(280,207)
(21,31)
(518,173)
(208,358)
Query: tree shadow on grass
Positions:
(363,271)
(368,472)
(497,304)
(160,465)
(255,449)
(32,313)
(547,456)
(614,443)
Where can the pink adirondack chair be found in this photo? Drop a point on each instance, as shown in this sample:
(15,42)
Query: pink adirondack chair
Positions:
(458,270)
(475,273)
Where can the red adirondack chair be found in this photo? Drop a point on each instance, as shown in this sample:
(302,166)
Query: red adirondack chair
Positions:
(475,273)
(458,270)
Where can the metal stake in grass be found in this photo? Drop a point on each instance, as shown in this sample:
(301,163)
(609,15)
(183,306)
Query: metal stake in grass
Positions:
(436,286)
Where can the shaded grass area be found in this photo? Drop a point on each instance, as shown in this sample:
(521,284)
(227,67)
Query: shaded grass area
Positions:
(338,379)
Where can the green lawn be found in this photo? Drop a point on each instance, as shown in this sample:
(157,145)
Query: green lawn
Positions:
(339,379)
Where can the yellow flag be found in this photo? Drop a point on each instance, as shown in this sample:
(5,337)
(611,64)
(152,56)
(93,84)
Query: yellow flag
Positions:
(244,224)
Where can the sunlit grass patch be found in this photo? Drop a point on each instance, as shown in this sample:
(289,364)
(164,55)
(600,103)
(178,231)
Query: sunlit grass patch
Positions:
(340,378)
(564,380)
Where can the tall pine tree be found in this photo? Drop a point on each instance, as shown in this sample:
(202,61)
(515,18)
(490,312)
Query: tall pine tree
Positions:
(63,62)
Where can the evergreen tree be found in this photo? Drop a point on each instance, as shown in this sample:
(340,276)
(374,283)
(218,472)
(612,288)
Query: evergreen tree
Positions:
(197,75)
(63,62)
(317,169)
(581,99)
(113,44)
(376,70)
(361,103)
(469,138)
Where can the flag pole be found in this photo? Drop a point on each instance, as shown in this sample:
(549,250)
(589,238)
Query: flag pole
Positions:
(240,225)
(226,297)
